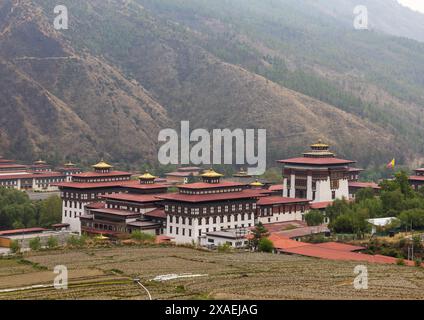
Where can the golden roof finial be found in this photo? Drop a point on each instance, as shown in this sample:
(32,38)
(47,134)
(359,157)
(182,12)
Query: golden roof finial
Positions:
(102,165)
(257,184)
(147,176)
(211,174)
(319,144)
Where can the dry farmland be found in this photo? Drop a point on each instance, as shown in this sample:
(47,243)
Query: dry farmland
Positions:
(106,273)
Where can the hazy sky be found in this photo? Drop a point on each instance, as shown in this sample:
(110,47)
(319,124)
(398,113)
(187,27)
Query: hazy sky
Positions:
(417,5)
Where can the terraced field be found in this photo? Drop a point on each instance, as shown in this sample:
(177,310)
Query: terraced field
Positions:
(107,273)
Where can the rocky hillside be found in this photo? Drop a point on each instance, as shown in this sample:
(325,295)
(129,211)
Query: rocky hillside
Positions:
(126,69)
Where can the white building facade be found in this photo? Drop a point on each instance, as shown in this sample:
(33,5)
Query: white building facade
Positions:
(208,206)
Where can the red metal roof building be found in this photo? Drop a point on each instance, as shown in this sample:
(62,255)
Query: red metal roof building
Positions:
(88,187)
(355,186)
(123,213)
(274,209)
(208,206)
(417,180)
(136,207)
(328,250)
(317,176)
(183,174)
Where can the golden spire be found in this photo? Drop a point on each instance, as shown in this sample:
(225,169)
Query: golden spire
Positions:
(147,176)
(257,184)
(40,162)
(69,164)
(102,165)
(320,144)
(211,174)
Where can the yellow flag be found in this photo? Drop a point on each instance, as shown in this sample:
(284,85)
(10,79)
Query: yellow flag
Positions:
(391,164)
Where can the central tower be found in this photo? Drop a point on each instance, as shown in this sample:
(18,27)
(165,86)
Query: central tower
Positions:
(317,176)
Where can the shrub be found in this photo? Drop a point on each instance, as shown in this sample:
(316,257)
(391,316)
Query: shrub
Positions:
(226,247)
(265,245)
(400,262)
(418,262)
(52,242)
(77,241)
(141,236)
(314,218)
(15,247)
(35,244)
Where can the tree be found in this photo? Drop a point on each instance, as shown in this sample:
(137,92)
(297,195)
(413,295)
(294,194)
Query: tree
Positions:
(392,200)
(50,211)
(258,233)
(402,180)
(413,218)
(342,224)
(265,245)
(337,208)
(364,194)
(314,218)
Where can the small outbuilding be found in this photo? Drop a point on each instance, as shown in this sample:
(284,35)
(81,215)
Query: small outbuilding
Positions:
(380,223)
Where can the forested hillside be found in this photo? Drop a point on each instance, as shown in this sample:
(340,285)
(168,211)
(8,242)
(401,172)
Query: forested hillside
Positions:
(129,68)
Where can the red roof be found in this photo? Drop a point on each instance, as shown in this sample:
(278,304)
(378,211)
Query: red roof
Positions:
(328,250)
(48,175)
(279,200)
(245,194)
(31,175)
(132,197)
(89,185)
(301,232)
(21,231)
(284,243)
(204,185)
(181,174)
(95,205)
(372,185)
(339,246)
(321,205)
(417,178)
(135,184)
(316,161)
(92,174)
(163,239)
(11,165)
(276,187)
(116,212)
(157,213)
(276,227)
(331,254)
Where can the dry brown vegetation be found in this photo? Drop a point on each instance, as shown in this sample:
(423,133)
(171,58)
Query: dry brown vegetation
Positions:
(106,273)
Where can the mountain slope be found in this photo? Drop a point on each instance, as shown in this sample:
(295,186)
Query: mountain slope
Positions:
(67,103)
(126,69)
